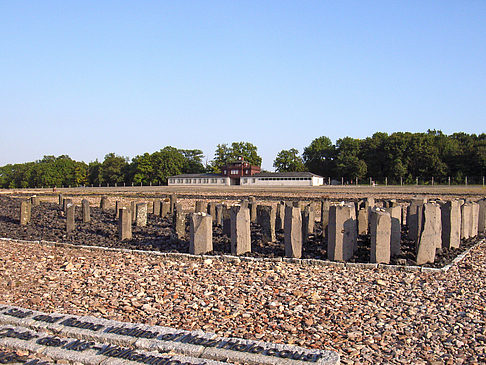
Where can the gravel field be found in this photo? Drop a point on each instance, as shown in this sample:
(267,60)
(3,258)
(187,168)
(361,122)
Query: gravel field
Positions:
(368,316)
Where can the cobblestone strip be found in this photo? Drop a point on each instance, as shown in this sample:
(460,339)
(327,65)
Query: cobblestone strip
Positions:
(51,334)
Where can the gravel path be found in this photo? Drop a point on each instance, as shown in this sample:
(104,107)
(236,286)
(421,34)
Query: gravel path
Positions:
(368,316)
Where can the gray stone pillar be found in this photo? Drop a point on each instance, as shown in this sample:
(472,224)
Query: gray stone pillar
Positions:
(34,200)
(308,221)
(240,230)
(179,222)
(363,221)
(466,213)
(429,234)
(451,224)
(342,232)
(293,232)
(118,206)
(104,202)
(252,205)
(325,204)
(164,208)
(396,229)
(124,224)
(85,211)
(61,198)
(201,225)
(226,221)
(414,219)
(156,208)
(219,215)
(25,212)
(212,211)
(65,202)
(482,216)
(280,216)
(201,207)
(141,214)
(266,219)
(133,210)
(474,219)
(380,230)
(70,211)
(173,202)
(404,215)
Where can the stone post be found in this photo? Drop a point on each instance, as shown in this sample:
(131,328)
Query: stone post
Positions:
(414,219)
(164,208)
(173,202)
(25,212)
(219,215)
(179,223)
(34,200)
(342,232)
(404,215)
(293,232)
(65,202)
(280,216)
(451,224)
(124,224)
(266,219)
(474,219)
(226,217)
(380,230)
(325,204)
(201,226)
(201,207)
(104,203)
(61,198)
(308,221)
(70,224)
(253,209)
(133,210)
(212,211)
(240,230)
(156,208)
(482,216)
(363,221)
(141,214)
(86,211)
(466,213)
(429,234)
(396,229)
(118,206)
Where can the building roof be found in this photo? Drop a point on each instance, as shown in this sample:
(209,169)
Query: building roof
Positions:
(183,176)
(286,174)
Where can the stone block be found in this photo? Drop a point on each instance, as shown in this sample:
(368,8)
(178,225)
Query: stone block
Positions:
(201,206)
(118,206)
(308,222)
(133,210)
(86,212)
(427,243)
(70,212)
(179,222)
(280,216)
(474,219)
(61,198)
(65,202)
(34,200)
(173,202)
(325,204)
(293,232)
(240,230)
(156,208)
(104,202)
(342,232)
(124,224)
(451,224)
(219,215)
(164,208)
(212,211)
(482,216)
(396,229)
(466,214)
(201,236)
(252,205)
(414,219)
(363,221)
(25,212)
(226,217)
(141,214)
(266,219)
(380,230)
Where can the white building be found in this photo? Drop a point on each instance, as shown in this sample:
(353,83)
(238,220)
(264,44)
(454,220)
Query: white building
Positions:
(199,180)
(283,179)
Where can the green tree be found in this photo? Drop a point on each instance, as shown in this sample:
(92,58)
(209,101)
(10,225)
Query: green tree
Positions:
(348,164)
(319,157)
(289,161)
(224,154)
(114,169)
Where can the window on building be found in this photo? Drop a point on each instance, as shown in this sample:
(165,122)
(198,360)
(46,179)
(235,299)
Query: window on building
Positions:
(234,172)
(222,181)
(245,180)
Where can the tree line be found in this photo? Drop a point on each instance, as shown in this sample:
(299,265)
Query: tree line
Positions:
(398,157)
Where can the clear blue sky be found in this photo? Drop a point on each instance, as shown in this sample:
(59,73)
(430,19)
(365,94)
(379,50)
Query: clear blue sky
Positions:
(86,78)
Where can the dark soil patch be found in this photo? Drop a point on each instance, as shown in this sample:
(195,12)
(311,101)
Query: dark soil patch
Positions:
(48,223)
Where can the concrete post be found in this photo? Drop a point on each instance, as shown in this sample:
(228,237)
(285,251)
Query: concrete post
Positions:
(118,206)
(451,224)
(25,212)
(173,202)
(212,211)
(240,230)
(164,208)
(396,229)
(280,216)
(141,214)
(380,229)
(133,210)
(179,222)
(226,217)
(104,203)
(201,207)
(86,211)
(325,204)
(308,221)
(124,224)
(363,221)
(293,232)
(429,234)
(34,200)
(70,224)
(201,226)
(156,208)
(482,216)
(414,218)
(61,198)
(219,215)
(266,219)
(466,213)
(474,219)
(253,209)
(342,232)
